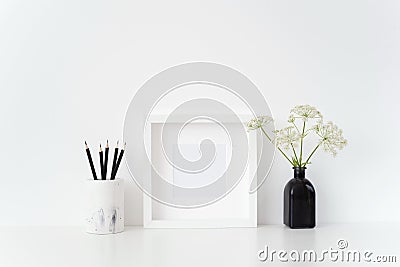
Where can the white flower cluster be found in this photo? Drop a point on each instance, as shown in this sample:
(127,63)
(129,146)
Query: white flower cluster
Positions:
(304,112)
(287,137)
(259,122)
(331,137)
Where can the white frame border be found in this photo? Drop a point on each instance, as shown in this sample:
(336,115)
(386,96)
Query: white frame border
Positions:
(251,221)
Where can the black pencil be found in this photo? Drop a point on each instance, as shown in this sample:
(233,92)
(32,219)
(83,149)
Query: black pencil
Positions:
(105,161)
(90,161)
(101,163)
(114,160)
(121,154)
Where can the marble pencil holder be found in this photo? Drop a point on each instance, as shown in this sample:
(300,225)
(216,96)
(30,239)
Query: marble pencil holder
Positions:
(105,206)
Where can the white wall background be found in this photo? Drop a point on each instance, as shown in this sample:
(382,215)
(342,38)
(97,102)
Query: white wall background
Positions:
(68,70)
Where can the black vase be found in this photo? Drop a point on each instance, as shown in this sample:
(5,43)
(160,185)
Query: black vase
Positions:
(299,201)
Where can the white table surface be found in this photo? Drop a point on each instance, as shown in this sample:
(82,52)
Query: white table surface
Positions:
(71,246)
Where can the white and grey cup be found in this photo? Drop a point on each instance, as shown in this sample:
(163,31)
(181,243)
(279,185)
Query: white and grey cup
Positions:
(105,206)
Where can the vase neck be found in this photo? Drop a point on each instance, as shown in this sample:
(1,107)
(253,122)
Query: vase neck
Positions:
(299,172)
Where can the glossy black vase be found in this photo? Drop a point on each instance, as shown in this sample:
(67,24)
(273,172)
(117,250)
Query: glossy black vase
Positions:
(299,201)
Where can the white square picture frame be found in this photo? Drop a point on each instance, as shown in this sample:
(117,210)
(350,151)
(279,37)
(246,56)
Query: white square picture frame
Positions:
(237,209)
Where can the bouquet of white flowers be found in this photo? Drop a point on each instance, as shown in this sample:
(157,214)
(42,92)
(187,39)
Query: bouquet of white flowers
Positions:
(290,138)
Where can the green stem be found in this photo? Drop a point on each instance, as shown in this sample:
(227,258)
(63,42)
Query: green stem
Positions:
(301,142)
(312,153)
(280,150)
(295,155)
(295,126)
(269,138)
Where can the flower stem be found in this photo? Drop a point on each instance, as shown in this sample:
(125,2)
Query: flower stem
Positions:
(295,126)
(301,142)
(295,155)
(269,138)
(312,153)
(280,150)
